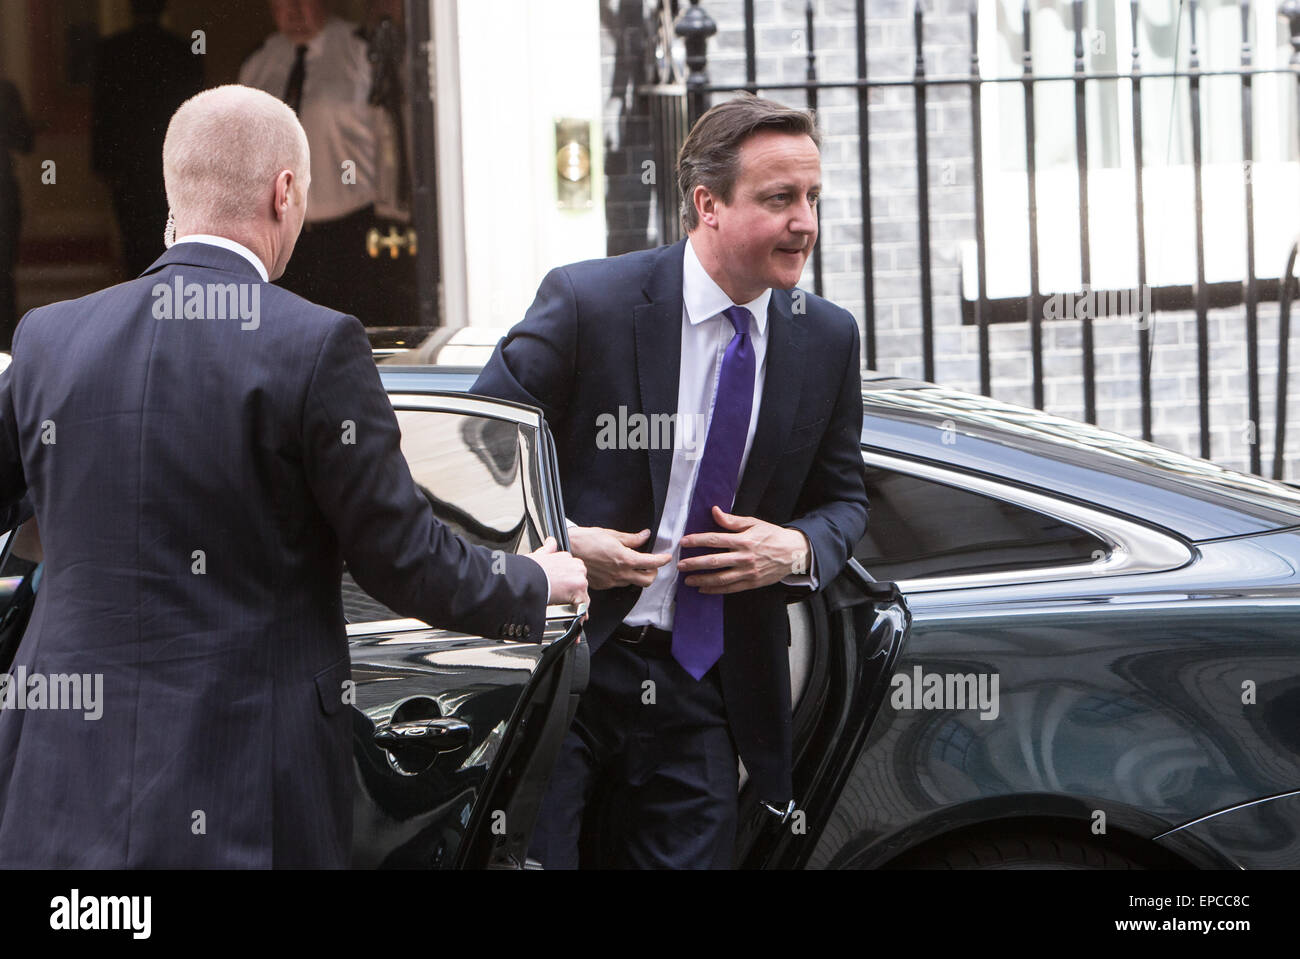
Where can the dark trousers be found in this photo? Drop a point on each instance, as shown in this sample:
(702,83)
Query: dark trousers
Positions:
(331,266)
(646,777)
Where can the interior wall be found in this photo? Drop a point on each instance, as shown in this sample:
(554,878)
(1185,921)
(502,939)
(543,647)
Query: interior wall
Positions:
(69,243)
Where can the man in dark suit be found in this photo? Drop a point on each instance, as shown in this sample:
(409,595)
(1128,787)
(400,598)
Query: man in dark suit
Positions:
(15,134)
(199,474)
(689,641)
(141,76)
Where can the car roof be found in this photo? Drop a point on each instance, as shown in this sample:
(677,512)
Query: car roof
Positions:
(1192,497)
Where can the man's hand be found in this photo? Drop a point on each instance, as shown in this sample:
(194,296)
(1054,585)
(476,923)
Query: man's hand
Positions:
(567,573)
(756,553)
(612,558)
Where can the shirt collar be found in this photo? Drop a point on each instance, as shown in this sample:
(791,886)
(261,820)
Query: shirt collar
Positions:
(228,244)
(704,299)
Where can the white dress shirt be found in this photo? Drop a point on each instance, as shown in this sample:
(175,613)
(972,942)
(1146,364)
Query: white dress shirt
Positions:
(705,335)
(228,244)
(341,124)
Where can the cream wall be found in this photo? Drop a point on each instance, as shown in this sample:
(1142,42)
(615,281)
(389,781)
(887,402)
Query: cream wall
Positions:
(522,64)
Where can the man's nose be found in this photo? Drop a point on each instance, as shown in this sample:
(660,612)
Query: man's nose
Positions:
(805,218)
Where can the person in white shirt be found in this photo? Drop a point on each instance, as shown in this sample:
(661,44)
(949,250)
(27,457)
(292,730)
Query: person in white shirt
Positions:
(319,65)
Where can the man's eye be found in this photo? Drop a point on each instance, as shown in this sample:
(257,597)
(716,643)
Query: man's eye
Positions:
(779,197)
(813,198)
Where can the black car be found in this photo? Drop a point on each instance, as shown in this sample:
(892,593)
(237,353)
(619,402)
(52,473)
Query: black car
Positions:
(1095,663)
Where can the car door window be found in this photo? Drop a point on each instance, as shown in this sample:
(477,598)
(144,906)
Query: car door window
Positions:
(919,528)
(480,476)
(19,581)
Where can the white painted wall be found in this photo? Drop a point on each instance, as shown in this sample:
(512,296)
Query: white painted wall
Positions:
(522,65)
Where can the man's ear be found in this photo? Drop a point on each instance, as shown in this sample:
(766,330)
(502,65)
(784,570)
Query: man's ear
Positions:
(281,196)
(706,205)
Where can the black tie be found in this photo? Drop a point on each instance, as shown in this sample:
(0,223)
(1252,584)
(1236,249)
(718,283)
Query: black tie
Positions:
(293,89)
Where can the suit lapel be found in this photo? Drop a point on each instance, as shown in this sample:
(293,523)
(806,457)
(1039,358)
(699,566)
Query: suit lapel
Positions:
(657,327)
(782,384)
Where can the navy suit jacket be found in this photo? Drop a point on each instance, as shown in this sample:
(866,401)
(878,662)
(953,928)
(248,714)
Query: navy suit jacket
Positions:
(607,333)
(224,738)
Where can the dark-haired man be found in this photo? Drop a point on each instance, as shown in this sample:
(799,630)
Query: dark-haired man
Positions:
(141,76)
(15,134)
(691,544)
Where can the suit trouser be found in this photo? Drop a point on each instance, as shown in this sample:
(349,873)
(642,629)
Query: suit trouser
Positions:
(331,266)
(650,757)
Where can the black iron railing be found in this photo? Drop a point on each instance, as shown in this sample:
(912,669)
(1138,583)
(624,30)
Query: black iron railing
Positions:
(694,25)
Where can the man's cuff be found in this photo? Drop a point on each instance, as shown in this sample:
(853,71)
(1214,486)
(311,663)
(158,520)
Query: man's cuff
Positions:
(809,578)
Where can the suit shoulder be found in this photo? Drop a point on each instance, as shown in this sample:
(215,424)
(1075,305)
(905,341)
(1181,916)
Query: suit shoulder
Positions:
(822,313)
(72,311)
(622,269)
(311,319)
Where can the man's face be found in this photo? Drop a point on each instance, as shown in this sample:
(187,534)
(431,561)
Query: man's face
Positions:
(298,20)
(765,234)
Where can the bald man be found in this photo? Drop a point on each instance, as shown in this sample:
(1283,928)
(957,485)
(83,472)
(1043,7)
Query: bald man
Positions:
(196,499)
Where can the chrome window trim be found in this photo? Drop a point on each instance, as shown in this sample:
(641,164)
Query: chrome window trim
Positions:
(474,406)
(386,626)
(487,408)
(464,403)
(1134,548)
(378,627)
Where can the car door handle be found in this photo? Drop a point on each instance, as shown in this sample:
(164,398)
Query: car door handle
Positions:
(432,735)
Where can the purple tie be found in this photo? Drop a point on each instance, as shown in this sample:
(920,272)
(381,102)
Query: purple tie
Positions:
(697,624)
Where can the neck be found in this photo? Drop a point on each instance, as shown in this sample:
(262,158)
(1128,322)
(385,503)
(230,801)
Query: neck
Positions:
(304,37)
(261,245)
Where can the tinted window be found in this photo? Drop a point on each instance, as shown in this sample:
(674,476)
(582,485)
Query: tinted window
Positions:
(480,476)
(919,528)
(1192,497)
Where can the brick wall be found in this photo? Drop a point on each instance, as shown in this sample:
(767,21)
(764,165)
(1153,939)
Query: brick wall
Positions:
(782,57)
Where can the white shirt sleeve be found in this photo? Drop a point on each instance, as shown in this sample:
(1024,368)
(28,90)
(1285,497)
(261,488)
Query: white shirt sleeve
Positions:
(808,579)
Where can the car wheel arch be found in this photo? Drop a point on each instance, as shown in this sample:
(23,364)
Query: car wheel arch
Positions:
(1130,833)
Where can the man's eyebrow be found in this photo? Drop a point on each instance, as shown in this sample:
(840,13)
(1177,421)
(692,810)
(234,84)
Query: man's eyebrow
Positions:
(787,188)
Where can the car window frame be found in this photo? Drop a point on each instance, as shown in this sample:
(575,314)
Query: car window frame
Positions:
(450,401)
(1133,547)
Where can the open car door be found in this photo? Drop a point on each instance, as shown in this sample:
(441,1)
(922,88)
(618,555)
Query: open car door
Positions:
(844,641)
(455,735)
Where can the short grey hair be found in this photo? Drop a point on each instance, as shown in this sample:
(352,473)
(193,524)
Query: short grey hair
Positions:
(223,149)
